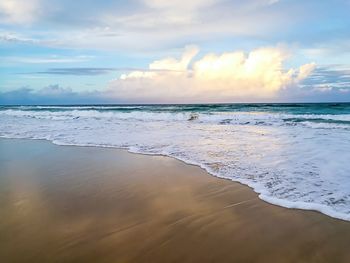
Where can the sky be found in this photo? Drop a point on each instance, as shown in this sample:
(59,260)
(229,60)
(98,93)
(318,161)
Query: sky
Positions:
(185,51)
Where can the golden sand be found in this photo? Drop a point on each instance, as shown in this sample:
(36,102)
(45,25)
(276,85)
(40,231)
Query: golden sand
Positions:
(85,204)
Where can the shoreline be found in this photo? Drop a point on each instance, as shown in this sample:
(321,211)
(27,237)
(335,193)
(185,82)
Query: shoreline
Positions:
(95,204)
(303,206)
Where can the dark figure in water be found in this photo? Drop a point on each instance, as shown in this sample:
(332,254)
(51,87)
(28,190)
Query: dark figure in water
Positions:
(193,117)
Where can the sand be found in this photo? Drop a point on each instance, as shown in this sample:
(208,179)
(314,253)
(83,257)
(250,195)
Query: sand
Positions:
(89,204)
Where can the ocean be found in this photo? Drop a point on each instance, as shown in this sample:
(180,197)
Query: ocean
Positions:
(292,155)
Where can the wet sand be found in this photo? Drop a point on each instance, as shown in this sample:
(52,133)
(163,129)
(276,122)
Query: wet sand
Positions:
(88,204)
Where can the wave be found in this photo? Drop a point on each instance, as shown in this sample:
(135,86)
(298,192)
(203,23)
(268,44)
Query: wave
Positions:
(293,108)
(216,117)
(318,120)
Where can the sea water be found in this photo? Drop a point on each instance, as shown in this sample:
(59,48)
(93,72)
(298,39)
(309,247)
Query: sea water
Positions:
(293,155)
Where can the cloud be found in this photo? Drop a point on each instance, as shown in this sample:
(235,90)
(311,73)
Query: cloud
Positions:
(52,94)
(179,12)
(329,77)
(326,83)
(228,77)
(149,25)
(15,38)
(323,84)
(81,71)
(77,71)
(19,11)
(47,60)
(145,24)
(305,71)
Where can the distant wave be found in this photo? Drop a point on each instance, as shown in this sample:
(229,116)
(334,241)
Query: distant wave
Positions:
(318,120)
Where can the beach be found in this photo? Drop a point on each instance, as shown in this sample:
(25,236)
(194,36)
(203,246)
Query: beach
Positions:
(156,131)
(91,204)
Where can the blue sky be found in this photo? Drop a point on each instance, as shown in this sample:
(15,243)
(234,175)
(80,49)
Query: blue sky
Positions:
(150,51)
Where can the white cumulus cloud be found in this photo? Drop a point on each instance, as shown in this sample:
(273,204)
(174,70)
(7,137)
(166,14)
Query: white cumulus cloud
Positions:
(231,76)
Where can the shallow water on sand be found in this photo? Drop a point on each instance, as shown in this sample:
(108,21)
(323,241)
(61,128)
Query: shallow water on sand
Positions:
(87,204)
